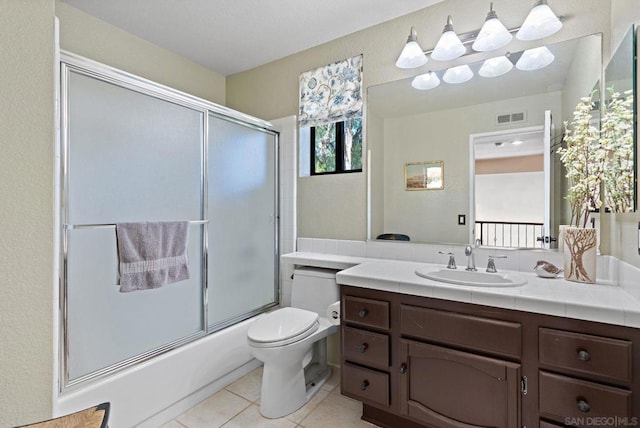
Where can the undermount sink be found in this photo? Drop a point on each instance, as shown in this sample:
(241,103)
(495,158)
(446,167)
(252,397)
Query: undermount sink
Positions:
(474,278)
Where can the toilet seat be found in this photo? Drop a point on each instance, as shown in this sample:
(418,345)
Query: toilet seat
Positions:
(282,327)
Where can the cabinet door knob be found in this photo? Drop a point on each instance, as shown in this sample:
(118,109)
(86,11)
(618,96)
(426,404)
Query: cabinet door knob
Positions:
(363,348)
(403,368)
(363,313)
(584,355)
(364,385)
(583,406)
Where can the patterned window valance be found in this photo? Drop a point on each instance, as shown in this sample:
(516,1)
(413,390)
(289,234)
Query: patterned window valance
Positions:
(331,93)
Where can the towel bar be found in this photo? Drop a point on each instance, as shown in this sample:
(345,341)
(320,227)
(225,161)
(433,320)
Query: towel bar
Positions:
(106,225)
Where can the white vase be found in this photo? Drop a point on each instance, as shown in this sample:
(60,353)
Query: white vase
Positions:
(561,229)
(580,250)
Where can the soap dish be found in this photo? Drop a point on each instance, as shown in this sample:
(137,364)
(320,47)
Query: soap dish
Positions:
(545,269)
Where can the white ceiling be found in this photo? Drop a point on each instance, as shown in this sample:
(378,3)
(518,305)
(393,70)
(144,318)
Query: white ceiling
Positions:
(230,36)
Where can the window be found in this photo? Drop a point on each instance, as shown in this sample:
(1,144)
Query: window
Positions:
(330,118)
(336,147)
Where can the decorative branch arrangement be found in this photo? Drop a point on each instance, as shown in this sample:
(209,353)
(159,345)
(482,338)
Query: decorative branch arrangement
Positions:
(616,137)
(599,155)
(583,159)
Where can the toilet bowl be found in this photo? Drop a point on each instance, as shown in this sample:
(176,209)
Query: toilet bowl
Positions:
(291,342)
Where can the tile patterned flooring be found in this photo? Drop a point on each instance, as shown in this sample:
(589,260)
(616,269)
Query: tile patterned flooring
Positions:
(238,405)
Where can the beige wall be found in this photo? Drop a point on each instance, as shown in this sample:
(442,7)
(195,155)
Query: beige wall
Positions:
(27,213)
(85,35)
(271,91)
(27,307)
(432,215)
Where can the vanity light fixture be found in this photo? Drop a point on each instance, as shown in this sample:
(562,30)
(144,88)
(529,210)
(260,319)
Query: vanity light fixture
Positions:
(494,67)
(541,22)
(535,59)
(459,74)
(425,81)
(449,46)
(493,34)
(412,55)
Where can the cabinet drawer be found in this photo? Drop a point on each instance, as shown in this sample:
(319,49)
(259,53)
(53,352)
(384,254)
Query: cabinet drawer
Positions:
(545,424)
(483,334)
(585,354)
(365,385)
(367,312)
(365,347)
(563,397)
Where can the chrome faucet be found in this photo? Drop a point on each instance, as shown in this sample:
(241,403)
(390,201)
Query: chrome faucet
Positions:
(471,258)
(491,265)
(452,260)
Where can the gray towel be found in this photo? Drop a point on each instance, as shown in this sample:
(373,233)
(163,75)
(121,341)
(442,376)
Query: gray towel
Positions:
(151,254)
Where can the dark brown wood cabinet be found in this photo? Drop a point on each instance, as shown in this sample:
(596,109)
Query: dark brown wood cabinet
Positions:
(448,388)
(421,362)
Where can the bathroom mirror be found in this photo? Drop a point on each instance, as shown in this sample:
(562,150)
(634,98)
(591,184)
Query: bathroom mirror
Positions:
(619,90)
(407,125)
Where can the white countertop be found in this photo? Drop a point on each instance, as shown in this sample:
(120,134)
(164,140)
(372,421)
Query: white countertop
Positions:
(601,302)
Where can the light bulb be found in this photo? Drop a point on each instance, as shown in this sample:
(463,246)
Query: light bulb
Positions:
(459,74)
(494,67)
(412,55)
(493,34)
(425,81)
(535,59)
(449,46)
(541,22)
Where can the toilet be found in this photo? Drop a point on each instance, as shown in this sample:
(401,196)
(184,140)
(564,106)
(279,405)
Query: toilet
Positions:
(292,343)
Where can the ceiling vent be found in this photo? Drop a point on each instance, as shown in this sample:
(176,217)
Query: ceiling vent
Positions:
(507,118)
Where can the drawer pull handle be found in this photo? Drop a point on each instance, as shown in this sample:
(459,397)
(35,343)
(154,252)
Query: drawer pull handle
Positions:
(583,406)
(363,313)
(403,368)
(364,385)
(584,355)
(363,348)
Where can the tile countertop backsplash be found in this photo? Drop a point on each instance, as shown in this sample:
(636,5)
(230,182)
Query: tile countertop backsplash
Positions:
(390,266)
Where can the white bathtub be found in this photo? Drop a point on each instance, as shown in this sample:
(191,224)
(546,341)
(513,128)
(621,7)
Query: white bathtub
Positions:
(162,388)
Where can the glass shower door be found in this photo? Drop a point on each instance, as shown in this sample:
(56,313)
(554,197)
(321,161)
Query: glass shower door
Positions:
(242,229)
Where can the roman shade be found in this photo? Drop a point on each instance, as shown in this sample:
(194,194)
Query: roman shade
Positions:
(331,93)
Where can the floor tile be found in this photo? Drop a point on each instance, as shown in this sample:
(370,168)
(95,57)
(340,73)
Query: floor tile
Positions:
(172,424)
(215,411)
(248,386)
(334,379)
(251,417)
(336,411)
(304,411)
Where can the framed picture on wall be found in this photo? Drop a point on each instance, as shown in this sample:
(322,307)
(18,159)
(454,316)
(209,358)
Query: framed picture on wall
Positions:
(424,175)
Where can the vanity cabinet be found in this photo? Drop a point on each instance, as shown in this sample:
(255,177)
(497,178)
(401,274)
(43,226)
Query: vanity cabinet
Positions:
(444,387)
(422,362)
(365,350)
(584,376)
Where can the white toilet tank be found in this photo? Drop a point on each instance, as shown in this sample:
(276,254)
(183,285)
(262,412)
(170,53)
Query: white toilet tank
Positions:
(314,289)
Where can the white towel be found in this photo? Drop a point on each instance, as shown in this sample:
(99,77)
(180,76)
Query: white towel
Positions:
(151,254)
